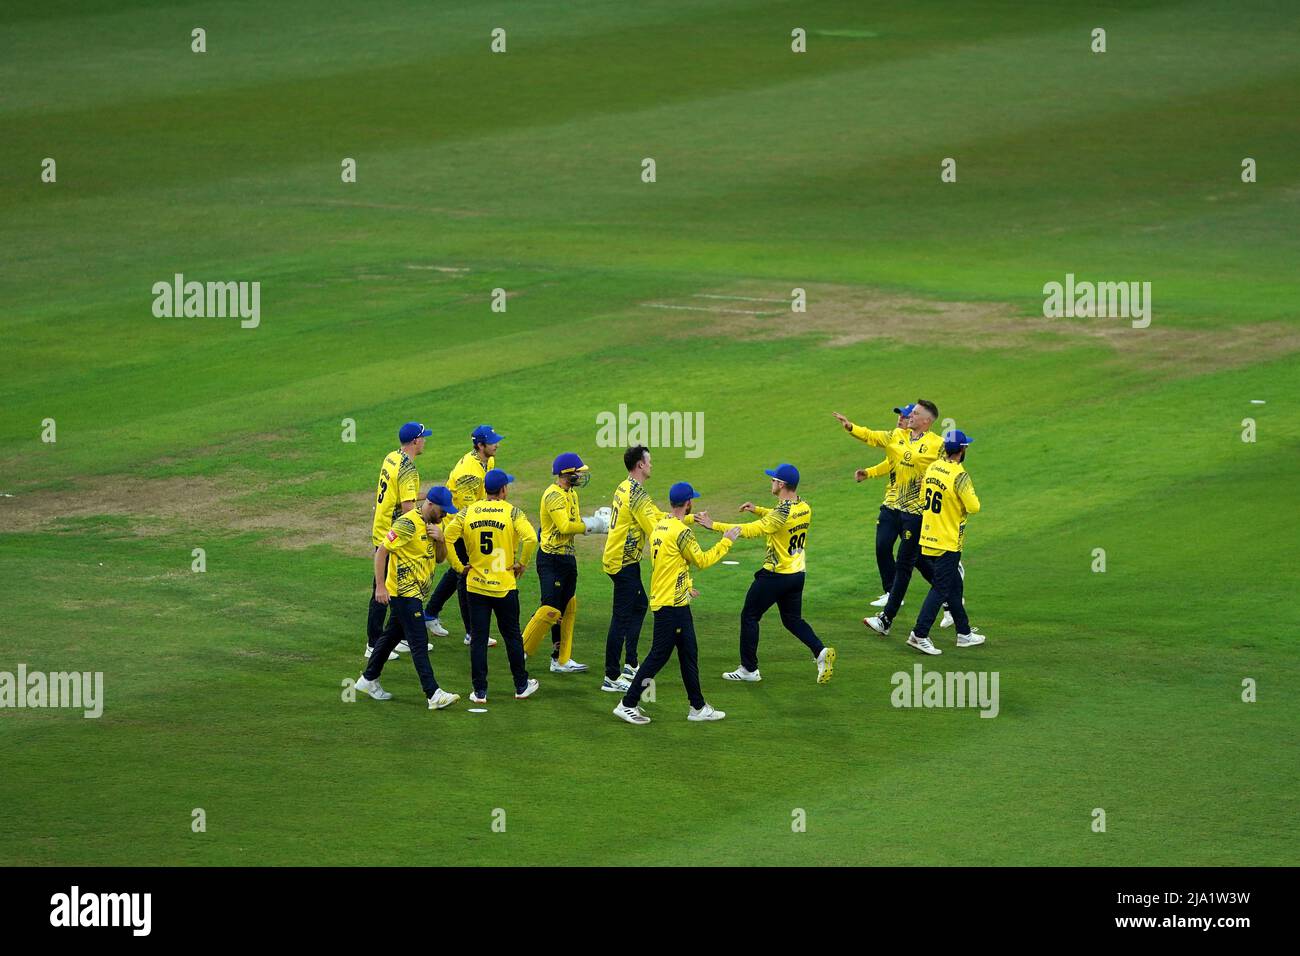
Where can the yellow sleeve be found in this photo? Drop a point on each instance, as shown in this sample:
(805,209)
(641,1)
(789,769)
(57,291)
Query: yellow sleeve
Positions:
(452,529)
(769,522)
(557,505)
(966,492)
(691,551)
(527,535)
(408,481)
(879,439)
(402,531)
(647,515)
(880,470)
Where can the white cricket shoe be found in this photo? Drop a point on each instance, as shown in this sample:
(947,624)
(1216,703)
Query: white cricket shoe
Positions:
(632,715)
(492,641)
(879,624)
(403,647)
(529,690)
(573,667)
(825,665)
(881,601)
(434,627)
(617,685)
(922,644)
(973,639)
(947,619)
(441,699)
(373,688)
(474,698)
(392,656)
(706,713)
(740,673)
(629,671)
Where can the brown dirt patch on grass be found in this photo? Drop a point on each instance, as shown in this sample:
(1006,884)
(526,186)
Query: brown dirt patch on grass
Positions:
(849,315)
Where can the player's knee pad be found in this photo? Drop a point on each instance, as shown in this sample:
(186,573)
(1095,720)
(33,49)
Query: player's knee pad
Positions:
(547,615)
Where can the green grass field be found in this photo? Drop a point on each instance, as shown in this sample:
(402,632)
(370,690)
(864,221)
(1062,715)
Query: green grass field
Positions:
(775,170)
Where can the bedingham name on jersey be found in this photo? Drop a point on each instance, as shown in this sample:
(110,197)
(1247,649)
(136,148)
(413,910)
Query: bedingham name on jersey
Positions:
(398,481)
(948,497)
(673,549)
(493,530)
(786,529)
(466,480)
(412,557)
(631,524)
(560,519)
(910,457)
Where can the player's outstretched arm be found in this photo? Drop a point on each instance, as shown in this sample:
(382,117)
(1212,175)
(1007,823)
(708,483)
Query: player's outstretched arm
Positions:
(691,551)
(875,471)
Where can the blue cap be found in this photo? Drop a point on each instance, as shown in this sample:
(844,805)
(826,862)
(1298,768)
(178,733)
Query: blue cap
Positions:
(495,480)
(411,431)
(441,497)
(905,409)
(956,440)
(681,493)
(787,473)
(569,461)
(485,434)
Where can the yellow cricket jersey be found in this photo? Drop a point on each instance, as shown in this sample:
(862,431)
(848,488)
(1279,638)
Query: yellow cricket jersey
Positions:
(398,481)
(560,519)
(412,556)
(466,480)
(631,524)
(493,531)
(909,456)
(949,496)
(786,529)
(673,549)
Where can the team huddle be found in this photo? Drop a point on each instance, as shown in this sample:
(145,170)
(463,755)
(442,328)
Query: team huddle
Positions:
(488,542)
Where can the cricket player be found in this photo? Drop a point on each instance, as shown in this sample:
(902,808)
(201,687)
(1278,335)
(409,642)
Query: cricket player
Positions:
(780,580)
(466,484)
(888,522)
(399,486)
(673,551)
(633,517)
(557,563)
(403,576)
(499,540)
(949,497)
(917,448)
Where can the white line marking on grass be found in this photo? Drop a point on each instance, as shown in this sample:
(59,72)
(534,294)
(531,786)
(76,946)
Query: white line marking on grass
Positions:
(477,710)
(738,298)
(700,308)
